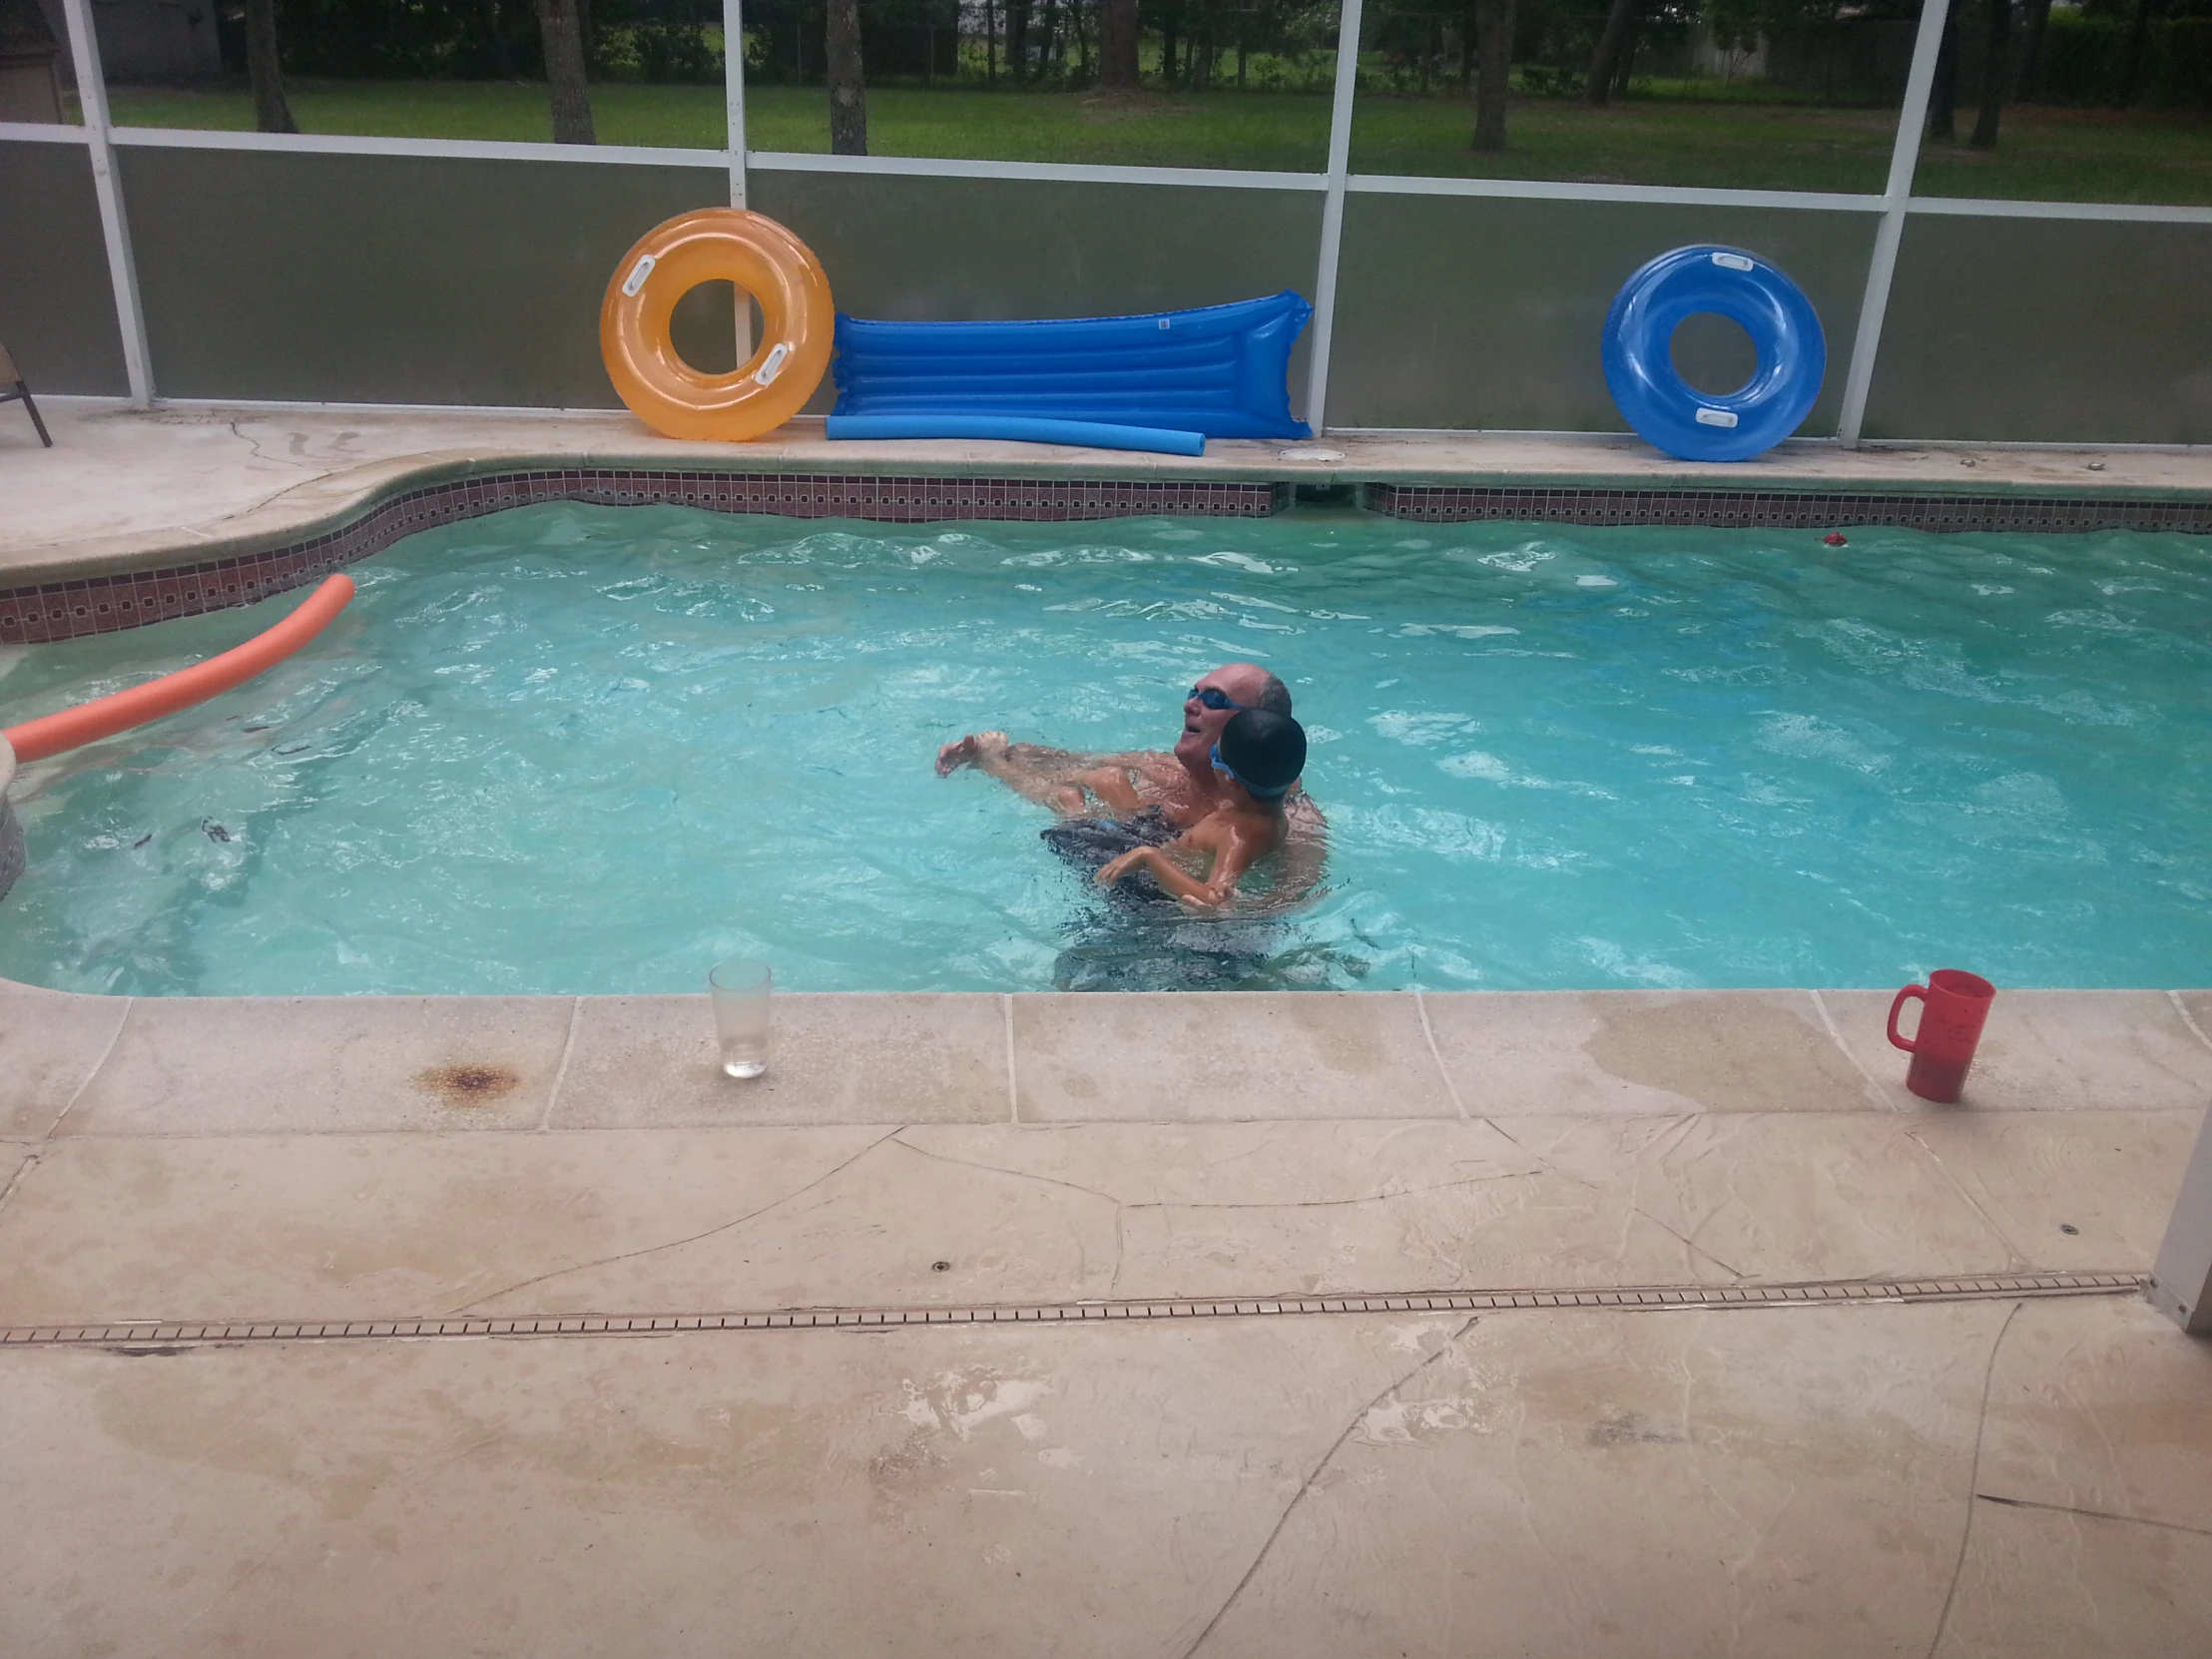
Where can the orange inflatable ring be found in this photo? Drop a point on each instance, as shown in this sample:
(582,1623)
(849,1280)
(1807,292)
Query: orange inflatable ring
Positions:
(760,257)
(103,716)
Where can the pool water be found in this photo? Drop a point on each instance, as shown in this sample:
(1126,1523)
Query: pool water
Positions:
(571,749)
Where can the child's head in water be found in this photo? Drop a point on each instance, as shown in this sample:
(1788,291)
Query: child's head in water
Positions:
(1263,752)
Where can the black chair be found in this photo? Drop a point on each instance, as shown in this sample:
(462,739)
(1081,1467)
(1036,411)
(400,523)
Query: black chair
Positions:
(13,387)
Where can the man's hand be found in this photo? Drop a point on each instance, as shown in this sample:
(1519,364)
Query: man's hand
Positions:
(972,750)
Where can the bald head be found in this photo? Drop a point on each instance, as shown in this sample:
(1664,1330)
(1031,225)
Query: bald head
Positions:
(1254,687)
(1241,686)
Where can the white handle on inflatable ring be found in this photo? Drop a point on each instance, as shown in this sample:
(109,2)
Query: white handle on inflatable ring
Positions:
(1716,417)
(1735,262)
(775,364)
(638,274)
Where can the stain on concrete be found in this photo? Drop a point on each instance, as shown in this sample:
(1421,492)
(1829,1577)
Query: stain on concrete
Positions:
(1729,1054)
(1343,1035)
(467,1083)
(1635,1429)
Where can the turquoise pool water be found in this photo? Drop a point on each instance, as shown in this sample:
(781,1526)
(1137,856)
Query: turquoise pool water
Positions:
(573,750)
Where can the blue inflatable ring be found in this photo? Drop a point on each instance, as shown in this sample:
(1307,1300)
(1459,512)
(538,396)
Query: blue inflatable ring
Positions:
(1665,409)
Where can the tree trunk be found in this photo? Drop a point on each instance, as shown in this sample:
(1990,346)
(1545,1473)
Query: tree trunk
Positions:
(991,42)
(495,39)
(1466,49)
(1996,43)
(1017,40)
(847,90)
(1117,45)
(1493,33)
(272,111)
(1171,26)
(1942,94)
(1613,52)
(2135,39)
(2031,59)
(561,30)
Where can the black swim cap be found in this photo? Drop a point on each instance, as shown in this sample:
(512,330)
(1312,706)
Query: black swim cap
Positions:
(1266,751)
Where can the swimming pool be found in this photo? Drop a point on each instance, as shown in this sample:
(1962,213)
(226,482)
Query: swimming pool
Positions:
(574,749)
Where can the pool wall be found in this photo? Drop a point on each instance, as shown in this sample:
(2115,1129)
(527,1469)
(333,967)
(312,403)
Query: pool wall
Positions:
(304,535)
(12,853)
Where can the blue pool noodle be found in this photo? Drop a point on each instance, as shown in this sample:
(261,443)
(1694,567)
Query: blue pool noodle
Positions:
(1221,371)
(1091,434)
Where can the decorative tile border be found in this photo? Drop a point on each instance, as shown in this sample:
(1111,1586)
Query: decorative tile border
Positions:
(103,604)
(1783,509)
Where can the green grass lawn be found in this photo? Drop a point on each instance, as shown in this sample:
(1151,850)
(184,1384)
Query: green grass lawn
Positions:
(1732,145)
(2044,153)
(1279,132)
(681,117)
(2062,155)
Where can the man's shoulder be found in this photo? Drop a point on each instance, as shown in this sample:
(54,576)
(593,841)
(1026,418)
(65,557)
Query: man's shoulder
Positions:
(1146,759)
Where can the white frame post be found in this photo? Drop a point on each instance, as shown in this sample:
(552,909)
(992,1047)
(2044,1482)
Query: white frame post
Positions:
(1904,160)
(1333,213)
(733,94)
(2181,1281)
(115,227)
(733,140)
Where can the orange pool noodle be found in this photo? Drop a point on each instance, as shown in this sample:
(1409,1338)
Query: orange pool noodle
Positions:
(761,258)
(103,716)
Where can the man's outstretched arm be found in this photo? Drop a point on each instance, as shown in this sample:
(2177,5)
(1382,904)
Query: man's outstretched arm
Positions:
(1030,770)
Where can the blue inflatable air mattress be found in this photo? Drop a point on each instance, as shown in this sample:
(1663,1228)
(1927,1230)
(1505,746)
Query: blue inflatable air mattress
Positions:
(1222,371)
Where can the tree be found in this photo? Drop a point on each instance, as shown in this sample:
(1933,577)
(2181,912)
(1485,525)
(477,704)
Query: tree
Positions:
(2137,36)
(561,29)
(1117,45)
(1493,34)
(264,68)
(1995,41)
(495,39)
(1942,92)
(847,90)
(2032,57)
(1611,52)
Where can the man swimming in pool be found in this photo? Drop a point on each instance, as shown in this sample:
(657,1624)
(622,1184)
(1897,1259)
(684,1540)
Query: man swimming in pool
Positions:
(1258,760)
(1175,790)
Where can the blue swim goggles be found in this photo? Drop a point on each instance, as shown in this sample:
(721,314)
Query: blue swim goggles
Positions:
(1213,697)
(1251,788)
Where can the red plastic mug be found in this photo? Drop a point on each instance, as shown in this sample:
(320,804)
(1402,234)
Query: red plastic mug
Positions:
(1953,1006)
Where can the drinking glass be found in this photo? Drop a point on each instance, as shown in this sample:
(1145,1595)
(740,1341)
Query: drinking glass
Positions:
(741,1015)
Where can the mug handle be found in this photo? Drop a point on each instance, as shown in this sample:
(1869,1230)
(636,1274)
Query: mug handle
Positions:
(1897,1007)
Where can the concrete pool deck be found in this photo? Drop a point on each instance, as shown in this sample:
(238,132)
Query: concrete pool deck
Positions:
(1184,1328)
(1379,1324)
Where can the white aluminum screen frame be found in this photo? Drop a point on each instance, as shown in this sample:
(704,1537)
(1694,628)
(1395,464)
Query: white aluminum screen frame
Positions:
(1895,206)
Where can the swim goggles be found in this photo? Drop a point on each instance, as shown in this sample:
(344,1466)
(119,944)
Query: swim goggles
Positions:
(1215,698)
(1250,787)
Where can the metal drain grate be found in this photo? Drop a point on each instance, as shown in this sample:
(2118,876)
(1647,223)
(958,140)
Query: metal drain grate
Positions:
(1978,1288)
